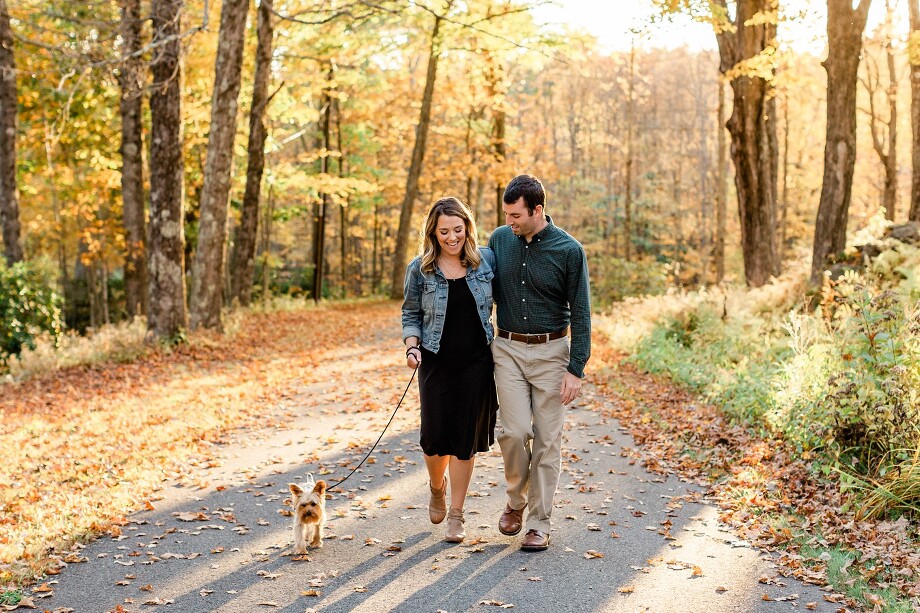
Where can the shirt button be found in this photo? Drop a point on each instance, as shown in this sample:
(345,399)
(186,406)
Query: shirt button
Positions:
(524,264)
(523,299)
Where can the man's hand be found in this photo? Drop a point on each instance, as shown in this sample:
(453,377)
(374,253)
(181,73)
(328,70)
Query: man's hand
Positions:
(571,385)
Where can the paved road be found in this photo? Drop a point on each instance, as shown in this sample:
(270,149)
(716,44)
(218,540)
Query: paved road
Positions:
(624,540)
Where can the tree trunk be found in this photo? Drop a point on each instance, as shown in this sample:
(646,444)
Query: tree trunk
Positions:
(244,247)
(497,91)
(752,126)
(704,227)
(9,201)
(167,314)
(844,34)
(721,190)
(784,206)
(319,228)
(267,243)
(415,167)
(891,159)
(207,280)
(375,266)
(628,189)
(343,208)
(132,165)
(913,49)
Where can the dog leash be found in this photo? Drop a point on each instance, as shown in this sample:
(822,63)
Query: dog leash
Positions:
(398,404)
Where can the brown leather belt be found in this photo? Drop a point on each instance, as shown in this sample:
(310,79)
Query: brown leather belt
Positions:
(533,339)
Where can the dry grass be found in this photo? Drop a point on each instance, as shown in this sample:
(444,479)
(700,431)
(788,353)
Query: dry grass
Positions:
(628,322)
(118,343)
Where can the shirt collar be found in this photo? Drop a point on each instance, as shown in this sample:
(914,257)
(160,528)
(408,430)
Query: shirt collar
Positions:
(550,227)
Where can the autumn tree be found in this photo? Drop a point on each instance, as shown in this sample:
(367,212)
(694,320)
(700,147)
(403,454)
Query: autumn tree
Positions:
(132,172)
(167,314)
(845,24)
(418,155)
(207,282)
(913,51)
(884,131)
(244,246)
(746,42)
(9,202)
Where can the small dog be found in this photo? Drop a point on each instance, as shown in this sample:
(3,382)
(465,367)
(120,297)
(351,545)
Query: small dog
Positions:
(309,514)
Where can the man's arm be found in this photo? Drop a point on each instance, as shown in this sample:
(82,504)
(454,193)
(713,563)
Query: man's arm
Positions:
(579,295)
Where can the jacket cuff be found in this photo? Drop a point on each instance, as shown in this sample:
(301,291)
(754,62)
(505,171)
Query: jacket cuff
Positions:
(407,332)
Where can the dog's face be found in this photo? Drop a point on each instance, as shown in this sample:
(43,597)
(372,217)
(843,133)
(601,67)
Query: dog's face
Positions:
(309,506)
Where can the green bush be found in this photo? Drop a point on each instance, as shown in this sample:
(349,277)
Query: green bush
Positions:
(613,279)
(29,307)
(729,362)
(843,381)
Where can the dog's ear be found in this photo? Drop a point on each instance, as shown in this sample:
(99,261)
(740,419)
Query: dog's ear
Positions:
(320,488)
(295,489)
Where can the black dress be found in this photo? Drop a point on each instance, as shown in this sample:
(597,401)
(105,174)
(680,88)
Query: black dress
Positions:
(456,386)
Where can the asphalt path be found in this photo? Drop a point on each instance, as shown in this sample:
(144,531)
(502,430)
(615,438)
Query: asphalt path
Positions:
(624,540)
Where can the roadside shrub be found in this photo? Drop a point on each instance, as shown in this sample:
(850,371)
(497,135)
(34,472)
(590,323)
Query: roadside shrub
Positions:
(121,342)
(29,307)
(728,361)
(874,394)
(614,279)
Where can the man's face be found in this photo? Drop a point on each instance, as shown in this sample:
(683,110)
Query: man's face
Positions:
(523,222)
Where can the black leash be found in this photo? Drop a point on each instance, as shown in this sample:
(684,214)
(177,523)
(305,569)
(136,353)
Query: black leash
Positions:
(398,404)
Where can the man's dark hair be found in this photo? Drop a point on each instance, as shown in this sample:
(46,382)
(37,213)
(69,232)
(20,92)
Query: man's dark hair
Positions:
(530,188)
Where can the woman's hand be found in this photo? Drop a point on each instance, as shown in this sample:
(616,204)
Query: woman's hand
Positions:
(413,356)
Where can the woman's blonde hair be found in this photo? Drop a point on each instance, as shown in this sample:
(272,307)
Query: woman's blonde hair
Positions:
(431,249)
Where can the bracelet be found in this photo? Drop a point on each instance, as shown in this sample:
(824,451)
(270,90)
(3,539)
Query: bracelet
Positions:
(411,348)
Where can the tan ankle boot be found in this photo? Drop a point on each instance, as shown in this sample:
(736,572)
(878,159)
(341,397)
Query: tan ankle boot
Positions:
(455,533)
(437,505)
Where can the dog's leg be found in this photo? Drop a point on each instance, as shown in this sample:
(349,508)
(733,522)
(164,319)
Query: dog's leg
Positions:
(300,542)
(317,536)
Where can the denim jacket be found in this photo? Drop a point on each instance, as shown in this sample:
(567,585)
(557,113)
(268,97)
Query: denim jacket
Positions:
(425,300)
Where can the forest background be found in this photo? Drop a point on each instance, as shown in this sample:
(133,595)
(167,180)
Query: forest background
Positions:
(628,143)
(743,203)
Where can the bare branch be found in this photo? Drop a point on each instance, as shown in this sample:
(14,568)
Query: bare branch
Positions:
(481,31)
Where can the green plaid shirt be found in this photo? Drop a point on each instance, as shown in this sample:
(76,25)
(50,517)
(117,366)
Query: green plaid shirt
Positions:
(542,286)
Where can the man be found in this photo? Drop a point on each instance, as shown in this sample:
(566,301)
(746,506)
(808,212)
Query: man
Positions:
(541,289)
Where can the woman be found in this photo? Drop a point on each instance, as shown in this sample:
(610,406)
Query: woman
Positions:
(447,331)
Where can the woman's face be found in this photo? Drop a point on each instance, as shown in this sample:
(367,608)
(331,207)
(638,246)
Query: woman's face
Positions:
(451,234)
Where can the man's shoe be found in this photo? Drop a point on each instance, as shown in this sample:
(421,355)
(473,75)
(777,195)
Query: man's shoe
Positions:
(510,522)
(535,540)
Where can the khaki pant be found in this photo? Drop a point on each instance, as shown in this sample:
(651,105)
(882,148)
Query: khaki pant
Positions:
(530,420)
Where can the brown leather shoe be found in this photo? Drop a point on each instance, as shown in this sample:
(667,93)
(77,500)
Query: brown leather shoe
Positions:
(535,540)
(510,522)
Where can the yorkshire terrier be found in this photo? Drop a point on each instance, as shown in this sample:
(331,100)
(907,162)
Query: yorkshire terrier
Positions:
(309,514)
